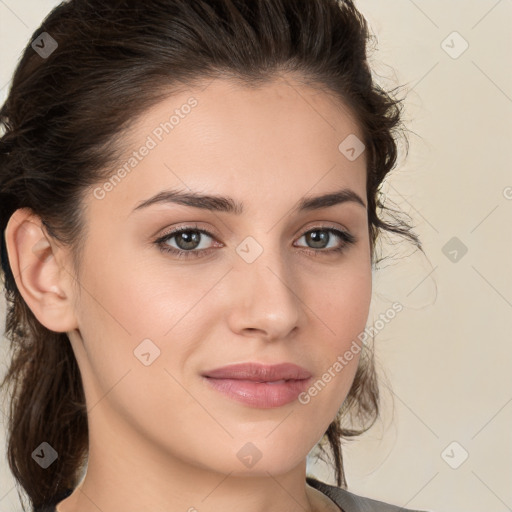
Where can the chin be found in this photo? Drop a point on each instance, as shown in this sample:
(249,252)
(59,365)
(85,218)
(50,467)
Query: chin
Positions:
(253,459)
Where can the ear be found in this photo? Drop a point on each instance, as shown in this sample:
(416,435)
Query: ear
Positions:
(37,264)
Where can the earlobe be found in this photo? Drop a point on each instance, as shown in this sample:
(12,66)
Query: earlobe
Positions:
(39,274)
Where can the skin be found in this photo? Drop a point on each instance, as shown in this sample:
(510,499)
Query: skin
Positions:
(160,438)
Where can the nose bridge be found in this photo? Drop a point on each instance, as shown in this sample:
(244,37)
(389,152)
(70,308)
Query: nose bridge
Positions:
(263,295)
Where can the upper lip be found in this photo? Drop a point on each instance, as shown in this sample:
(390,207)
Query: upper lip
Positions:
(259,372)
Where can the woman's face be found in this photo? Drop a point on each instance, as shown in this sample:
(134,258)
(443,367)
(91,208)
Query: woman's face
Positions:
(264,285)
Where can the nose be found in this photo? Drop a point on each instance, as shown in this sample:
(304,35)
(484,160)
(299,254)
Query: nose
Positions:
(265,298)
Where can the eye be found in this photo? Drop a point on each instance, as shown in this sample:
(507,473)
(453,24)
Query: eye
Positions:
(188,241)
(320,238)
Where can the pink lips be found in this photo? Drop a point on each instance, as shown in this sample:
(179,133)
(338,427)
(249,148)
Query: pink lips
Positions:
(259,385)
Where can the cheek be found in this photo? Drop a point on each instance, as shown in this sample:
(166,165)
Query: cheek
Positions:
(342,311)
(130,314)
(342,301)
(131,366)
(131,299)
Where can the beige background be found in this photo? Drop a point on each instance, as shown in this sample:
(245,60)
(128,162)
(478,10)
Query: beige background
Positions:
(447,356)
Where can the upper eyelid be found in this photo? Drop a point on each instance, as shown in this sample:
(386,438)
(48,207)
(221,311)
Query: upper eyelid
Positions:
(176,231)
(197,226)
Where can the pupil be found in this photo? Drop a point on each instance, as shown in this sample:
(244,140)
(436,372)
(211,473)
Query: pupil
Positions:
(190,241)
(318,238)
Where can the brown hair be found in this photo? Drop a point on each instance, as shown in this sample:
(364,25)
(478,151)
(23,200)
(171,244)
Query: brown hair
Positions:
(64,119)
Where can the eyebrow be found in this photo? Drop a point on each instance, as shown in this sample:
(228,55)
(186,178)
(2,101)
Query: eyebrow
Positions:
(224,204)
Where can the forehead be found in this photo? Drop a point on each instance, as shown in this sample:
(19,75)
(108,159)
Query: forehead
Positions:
(278,140)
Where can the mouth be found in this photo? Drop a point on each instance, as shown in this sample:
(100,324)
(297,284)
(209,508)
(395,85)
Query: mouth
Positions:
(260,386)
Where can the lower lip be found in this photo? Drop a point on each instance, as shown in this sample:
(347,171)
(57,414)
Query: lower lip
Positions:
(260,394)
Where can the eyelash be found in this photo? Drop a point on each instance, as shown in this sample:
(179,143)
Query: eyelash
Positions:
(347,238)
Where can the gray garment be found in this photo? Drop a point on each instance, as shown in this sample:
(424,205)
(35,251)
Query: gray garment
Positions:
(352,503)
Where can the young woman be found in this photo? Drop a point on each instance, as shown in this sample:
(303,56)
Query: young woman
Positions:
(190,210)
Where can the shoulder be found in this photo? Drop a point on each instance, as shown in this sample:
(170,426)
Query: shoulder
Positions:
(350,502)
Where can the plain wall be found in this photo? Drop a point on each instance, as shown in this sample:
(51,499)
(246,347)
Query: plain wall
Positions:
(445,360)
